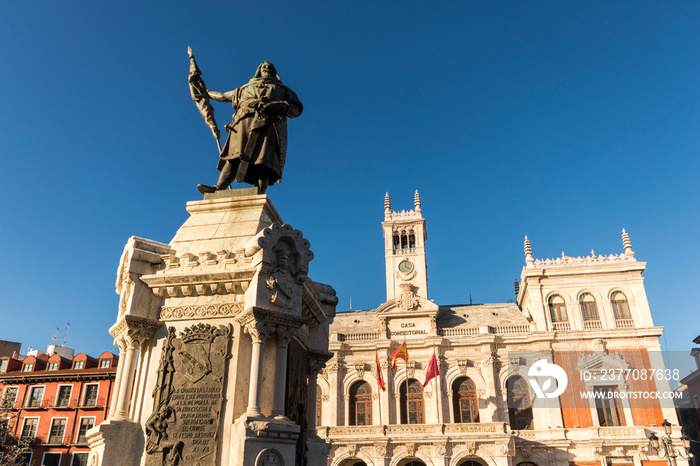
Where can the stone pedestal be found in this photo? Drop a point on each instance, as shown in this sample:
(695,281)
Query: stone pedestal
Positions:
(217,331)
(115,443)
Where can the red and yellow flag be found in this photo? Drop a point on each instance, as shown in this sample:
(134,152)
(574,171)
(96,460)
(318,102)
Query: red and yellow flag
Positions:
(402,353)
(380,379)
(432,371)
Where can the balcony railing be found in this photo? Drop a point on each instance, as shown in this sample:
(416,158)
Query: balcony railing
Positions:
(401,430)
(561,326)
(368,336)
(624,323)
(592,324)
(459,332)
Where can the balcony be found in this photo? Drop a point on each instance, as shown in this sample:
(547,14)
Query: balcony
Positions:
(486,429)
(592,324)
(624,323)
(561,326)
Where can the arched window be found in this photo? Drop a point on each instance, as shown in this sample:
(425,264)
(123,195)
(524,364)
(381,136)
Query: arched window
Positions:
(470,463)
(465,403)
(411,240)
(319,406)
(360,404)
(414,403)
(519,406)
(397,241)
(557,309)
(621,307)
(589,311)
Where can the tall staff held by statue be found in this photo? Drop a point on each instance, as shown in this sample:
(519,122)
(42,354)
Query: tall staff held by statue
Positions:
(201,98)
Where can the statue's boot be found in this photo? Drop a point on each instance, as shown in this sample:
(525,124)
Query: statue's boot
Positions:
(225,179)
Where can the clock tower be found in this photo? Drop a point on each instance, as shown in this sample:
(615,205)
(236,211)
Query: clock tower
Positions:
(404,250)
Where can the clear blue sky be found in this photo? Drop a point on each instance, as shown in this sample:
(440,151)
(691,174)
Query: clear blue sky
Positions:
(563,121)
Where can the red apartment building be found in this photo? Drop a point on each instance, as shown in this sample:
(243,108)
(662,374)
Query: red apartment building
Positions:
(53,400)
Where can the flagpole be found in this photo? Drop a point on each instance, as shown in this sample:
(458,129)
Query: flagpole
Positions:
(405,360)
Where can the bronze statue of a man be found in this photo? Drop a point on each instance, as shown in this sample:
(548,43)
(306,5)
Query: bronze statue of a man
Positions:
(256,148)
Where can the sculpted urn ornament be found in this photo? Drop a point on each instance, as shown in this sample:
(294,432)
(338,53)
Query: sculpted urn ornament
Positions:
(256,147)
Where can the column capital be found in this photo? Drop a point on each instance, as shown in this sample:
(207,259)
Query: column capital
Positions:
(261,323)
(130,332)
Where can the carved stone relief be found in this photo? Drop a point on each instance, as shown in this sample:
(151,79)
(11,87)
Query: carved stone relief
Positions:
(183,428)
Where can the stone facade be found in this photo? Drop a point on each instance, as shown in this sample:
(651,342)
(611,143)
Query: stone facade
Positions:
(221,333)
(586,315)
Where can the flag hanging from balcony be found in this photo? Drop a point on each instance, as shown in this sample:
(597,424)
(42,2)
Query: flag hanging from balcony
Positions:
(380,379)
(433,370)
(402,353)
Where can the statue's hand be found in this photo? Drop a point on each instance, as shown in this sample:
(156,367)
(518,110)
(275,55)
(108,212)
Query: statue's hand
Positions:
(276,107)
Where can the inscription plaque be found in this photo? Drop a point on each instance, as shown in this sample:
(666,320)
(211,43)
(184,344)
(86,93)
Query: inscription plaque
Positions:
(189,392)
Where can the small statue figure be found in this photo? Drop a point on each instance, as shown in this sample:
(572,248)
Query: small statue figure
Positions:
(256,148)
(280,282)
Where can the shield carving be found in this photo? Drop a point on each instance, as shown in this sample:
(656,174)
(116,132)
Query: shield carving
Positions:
(194,360)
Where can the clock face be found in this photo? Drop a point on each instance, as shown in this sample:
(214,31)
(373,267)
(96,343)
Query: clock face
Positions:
(405,266)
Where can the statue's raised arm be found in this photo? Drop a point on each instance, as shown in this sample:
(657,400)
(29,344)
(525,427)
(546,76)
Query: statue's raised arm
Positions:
(256,147)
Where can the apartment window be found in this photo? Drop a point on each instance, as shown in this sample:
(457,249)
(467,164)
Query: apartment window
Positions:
(3,365)
(80,459)
(86,423)
(465,403)
(414,400)
(621,307)
(519,406)
(24,459)
(90,398)
(51,459)
(63,396)
(557,309)
(609,407)
(105,363)
(36,394)
(53,366)
(9,398)
(29,428)
(28,367)
(79,364)
(589,311)
(360,404)
(319,405)
(57,432)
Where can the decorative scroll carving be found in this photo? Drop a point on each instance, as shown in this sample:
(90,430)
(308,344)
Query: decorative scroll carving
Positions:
(187,399)
(200,312)
(411,448)
(462,366)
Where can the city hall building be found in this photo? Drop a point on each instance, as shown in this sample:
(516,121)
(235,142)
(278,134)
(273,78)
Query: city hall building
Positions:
(587,317)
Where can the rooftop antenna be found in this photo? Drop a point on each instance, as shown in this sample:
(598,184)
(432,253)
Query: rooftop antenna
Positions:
(54,337)
(351,303)
(470,297)
(65,334)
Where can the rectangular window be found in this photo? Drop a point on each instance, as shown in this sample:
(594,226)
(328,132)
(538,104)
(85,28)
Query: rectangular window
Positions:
(104,363)
(51,459)
(3,365)
(63,396)
(9,398)
(57,432)
(86,424)
(4,427)
(79,364)
(36,394)
(29,429)
(53,366)
(90,398)
(609,407)
(24,459)
(80,459)
(28,367)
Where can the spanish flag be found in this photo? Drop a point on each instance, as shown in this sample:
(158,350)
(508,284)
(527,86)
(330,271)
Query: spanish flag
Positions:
(380,379)
(402,353)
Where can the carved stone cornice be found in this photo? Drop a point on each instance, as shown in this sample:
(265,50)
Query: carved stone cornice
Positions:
(263,322)
(207,311)
(200,284)
(131,331)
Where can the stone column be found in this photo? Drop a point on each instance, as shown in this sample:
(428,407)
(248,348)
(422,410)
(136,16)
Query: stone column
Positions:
(283,336)
(118,378)
(258,333)
(130,332)
(121,411)
(315,367)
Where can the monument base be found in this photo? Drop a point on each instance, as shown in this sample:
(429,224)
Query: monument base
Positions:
(115,443)
(256,434)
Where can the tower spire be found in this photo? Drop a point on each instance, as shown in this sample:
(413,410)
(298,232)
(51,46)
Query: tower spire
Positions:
(627,244)
(528,252)
(387,204)
(416,201)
